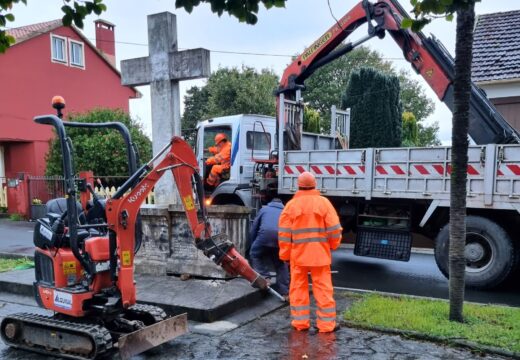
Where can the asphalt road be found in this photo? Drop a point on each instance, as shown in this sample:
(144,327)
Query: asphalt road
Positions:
(16,236)
(419,276)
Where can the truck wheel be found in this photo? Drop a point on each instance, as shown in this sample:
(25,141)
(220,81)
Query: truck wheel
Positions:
(490,253)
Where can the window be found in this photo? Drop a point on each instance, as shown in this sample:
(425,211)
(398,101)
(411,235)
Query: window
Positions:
(58,48)
(209,137)
(259,139)
(76,54)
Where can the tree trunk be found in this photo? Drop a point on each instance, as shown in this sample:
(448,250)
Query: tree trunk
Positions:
(459,158)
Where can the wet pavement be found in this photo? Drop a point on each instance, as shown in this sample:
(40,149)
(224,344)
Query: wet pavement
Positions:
(16,237)
(271,337)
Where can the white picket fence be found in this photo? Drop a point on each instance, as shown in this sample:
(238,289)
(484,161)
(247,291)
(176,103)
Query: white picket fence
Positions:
(3,196)
(3,193)
(107,192)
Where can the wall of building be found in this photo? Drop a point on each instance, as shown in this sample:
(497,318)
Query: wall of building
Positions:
(506,98)
(510,109)
(30,80)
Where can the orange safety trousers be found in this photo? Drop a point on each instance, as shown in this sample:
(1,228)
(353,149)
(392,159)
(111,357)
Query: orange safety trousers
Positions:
(220,162)
(323,294)
(216,174)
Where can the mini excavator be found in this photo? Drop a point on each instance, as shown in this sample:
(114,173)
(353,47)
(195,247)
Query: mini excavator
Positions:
(84,266)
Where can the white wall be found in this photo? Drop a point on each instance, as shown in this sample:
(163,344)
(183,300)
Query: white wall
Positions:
(501,90)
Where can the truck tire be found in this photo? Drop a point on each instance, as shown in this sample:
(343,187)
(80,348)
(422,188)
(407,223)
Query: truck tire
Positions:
(490,253)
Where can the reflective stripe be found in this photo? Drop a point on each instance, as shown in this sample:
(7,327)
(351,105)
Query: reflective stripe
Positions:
(335,227)
(309,240)
(284,230)
(300,308)
(302,231)
(284,239)
(301,317)
(335,236)
(328,310)
(326,318)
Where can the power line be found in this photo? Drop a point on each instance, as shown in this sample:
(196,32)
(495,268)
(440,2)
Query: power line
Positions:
(229,52)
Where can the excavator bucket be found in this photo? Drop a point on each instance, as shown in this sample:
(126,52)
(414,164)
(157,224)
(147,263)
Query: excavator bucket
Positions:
(152,336)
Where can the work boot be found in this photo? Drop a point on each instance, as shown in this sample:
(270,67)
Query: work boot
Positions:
(336,328)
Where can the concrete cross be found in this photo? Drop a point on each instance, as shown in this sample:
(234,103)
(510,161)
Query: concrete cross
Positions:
(162,70)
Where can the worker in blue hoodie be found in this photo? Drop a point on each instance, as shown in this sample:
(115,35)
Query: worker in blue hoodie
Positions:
(264,245)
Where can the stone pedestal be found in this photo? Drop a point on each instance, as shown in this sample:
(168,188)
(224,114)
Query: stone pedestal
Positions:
(168,246)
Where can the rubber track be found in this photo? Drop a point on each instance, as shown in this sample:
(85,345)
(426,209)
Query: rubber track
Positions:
(100,336)
(148,310)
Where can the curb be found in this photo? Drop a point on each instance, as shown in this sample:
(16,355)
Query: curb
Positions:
(8,255)
(396,295)
(449,341)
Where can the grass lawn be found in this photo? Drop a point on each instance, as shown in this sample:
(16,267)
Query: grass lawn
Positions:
(15,264)
(487,325)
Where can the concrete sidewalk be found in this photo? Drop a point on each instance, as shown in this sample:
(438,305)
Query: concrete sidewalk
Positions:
(204,300)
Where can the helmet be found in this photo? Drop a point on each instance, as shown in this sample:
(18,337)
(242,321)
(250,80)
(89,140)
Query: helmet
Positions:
(220,137)
(306,180)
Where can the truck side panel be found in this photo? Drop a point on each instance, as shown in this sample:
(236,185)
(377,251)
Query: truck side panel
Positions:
(408,173)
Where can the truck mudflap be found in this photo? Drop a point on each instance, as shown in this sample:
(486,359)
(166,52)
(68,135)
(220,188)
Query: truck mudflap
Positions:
(151,336)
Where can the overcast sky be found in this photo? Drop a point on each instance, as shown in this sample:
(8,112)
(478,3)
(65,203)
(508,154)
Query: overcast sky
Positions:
(281,32)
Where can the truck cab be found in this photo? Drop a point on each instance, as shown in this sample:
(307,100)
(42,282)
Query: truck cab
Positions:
(252,138)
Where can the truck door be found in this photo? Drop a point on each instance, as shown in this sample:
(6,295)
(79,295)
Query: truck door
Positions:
(206,139)
(258,140)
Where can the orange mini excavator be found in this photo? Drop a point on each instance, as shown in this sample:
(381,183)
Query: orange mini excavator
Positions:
(85,266)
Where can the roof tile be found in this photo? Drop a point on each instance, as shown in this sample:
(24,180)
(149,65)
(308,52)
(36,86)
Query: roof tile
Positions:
(496,47)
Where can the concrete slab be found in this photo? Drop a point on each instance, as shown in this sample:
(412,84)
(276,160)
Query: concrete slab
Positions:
(203,300)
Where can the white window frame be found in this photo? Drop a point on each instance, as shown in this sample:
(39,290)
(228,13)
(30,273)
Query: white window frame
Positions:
(82,66)
(65,52)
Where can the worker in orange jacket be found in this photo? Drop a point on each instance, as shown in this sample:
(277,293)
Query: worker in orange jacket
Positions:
(221,159)
(309,228)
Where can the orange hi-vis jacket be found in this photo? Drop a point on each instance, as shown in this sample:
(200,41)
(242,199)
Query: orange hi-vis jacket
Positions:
(223,157)
(308,229)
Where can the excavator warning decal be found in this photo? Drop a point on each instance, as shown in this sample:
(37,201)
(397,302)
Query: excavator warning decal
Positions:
(126,258)
(188,203)
(69,267)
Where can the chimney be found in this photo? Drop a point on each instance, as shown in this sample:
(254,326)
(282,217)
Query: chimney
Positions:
(105,40)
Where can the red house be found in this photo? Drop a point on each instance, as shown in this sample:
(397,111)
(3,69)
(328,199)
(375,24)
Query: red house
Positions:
(49,59)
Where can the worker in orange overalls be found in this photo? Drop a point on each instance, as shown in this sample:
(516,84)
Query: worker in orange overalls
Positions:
(221,159)
(309,228)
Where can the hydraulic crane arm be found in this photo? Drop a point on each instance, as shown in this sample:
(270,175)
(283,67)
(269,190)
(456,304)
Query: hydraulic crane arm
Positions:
(122,210)
(426,55)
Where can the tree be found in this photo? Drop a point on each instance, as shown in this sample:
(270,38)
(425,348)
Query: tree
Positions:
(410,129)
(230,92)
(375,109)
(311,120)
(102,151)
(243,10)
(326,88)
(195,103)
(465,10)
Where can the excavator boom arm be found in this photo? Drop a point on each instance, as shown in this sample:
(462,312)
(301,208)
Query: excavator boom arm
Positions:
(123,208)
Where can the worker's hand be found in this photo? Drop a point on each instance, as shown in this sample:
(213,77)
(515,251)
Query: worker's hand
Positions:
(211,161)
(213,149)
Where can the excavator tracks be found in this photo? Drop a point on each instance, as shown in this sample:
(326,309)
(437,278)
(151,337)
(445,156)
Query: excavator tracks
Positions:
(148,314)
(50,336)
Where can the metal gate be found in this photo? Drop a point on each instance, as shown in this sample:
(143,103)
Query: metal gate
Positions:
(44,188)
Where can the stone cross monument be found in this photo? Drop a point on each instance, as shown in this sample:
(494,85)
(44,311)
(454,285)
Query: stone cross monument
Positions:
(162,69)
